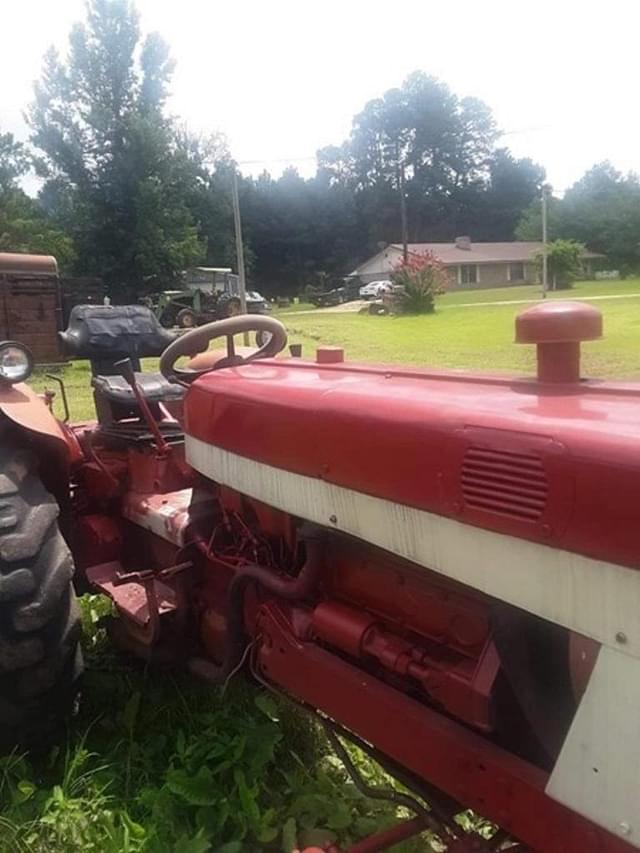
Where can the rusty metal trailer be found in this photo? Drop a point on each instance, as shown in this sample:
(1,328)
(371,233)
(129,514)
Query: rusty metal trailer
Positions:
(30,304)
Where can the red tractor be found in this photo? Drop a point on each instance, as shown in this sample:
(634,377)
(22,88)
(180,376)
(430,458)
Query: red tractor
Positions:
(443,567)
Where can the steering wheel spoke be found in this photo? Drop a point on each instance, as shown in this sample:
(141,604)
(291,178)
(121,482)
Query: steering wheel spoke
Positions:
(197,340)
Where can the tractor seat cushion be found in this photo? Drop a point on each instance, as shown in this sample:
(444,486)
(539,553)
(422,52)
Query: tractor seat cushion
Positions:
(114,332)
(154,387)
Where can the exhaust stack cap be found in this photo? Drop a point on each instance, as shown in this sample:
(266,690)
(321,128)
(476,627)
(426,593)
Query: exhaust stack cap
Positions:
(557,329)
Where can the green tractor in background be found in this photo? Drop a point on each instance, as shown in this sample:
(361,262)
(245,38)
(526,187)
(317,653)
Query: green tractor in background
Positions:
(209,293)
(189,308)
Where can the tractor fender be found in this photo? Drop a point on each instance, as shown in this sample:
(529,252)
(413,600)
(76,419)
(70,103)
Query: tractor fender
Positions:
(21,405)
(55,444)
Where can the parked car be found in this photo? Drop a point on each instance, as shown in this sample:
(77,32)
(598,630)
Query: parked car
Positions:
(337,296)
(328,298)
(375,289)
(256,303)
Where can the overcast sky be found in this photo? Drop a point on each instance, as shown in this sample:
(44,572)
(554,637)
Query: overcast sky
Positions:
(283,78)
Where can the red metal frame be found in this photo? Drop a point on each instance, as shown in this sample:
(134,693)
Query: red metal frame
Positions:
(495,783)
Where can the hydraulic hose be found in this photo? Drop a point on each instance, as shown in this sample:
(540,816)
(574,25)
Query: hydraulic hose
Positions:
(290,589)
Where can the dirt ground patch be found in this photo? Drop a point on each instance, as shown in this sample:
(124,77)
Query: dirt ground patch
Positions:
(344,308)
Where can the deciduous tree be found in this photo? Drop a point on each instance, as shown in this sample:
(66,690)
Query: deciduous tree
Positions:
(24,225)
(601,210)
(109,156)
(563,262)
(442,148)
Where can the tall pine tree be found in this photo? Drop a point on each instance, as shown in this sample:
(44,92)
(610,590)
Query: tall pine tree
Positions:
(111,160)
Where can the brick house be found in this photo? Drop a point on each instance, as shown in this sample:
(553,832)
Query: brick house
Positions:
(469,265)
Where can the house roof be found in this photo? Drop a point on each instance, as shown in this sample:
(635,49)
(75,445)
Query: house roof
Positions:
(482,253)
(450,253)
(18,263)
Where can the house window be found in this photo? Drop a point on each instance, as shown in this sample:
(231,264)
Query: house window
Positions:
(516,272)
(468,274)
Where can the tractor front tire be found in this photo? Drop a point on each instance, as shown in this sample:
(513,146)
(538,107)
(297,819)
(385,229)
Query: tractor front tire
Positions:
(187,319)
(229,306)
(40,658)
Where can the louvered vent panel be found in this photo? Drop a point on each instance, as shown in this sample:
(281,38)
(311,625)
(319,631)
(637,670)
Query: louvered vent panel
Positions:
(498,481)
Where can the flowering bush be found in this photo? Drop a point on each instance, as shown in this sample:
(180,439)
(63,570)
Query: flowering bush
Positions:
(421,278)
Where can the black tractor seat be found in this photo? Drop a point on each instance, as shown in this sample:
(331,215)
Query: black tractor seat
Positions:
(154,388)
(107,334)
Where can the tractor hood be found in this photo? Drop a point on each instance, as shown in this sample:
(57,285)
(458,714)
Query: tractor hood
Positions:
(558,463)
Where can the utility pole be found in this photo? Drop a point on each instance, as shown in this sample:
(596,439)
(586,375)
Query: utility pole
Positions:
(403,217)
(403,205)
(546,190)
(239,247)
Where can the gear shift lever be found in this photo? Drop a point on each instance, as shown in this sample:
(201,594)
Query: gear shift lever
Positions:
(125,369)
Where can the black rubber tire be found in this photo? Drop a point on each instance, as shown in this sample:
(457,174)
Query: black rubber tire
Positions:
(40,657)
(187,318)
(229,306)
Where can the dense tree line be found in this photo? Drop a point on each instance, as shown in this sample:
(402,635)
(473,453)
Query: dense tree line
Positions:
(130,195)
(601,210)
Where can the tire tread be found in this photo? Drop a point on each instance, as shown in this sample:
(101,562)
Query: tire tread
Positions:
(40,659)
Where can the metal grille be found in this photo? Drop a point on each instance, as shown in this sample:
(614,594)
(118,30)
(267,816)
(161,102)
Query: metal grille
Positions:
(499,481)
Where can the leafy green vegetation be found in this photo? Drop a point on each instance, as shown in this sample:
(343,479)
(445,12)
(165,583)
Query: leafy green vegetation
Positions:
(563,262)
(158,762)
(601,210)
(117,171)
(24,227)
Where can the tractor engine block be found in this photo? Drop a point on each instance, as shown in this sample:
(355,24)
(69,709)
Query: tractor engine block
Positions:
(416,631)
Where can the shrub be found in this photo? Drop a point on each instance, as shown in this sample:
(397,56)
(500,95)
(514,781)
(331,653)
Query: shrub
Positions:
(420,279)
(563,263)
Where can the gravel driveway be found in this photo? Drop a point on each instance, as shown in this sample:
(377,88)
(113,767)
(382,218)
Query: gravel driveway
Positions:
(344,308)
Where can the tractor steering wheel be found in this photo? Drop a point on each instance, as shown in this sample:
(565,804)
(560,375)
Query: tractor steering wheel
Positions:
(197,340)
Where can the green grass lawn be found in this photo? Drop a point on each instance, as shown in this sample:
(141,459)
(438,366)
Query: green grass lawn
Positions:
(470,338)
(532,292)
(477,338)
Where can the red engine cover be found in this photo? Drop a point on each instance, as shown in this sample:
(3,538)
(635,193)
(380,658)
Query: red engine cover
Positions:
(555,464)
